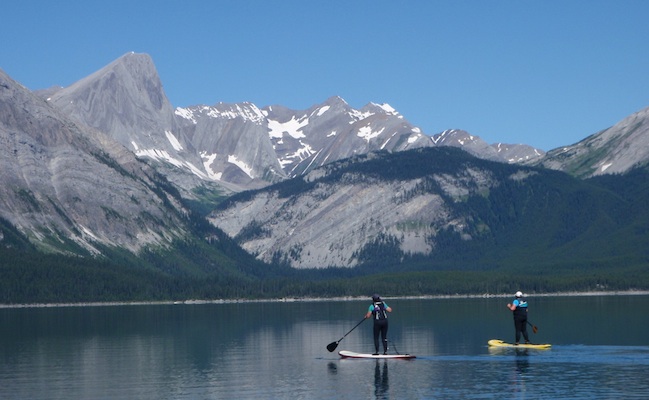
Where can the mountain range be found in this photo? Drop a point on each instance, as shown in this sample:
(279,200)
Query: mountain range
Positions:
(241,146)
(108,164)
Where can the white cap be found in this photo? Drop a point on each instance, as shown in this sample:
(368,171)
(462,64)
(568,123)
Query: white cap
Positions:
(519,294)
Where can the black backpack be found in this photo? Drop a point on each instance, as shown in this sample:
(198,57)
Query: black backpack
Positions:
(379,311)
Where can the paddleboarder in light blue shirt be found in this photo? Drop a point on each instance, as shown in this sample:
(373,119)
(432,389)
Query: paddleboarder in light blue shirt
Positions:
(379,310)
(519,308)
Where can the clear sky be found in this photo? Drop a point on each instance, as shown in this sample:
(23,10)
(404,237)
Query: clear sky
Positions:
(546,73)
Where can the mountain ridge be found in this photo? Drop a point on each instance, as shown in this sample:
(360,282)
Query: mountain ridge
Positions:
(107,169)
(275,143)
(285,142)
(614,150)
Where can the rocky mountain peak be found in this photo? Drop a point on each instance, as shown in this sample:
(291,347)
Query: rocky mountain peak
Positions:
(125,100)
(240,144)
(68,186)
(118,99)
(384,108)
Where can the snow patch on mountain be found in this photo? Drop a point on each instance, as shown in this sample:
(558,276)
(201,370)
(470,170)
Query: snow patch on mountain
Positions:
(357,115)
(292,127)
(322,110)
(245,111)
(302,153)
(174,142)
(249,112)
(163,155)
(185,113)
(444,135)
(232,159)
(412,139)
(208,160)
(388,109)
(367,133)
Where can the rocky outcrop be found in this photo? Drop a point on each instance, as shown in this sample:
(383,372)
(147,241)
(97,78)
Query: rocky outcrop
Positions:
(69,187)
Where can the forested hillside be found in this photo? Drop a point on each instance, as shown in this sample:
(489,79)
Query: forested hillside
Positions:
(547,232)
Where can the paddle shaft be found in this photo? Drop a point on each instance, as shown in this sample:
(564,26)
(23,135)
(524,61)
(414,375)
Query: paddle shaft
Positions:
(332,346)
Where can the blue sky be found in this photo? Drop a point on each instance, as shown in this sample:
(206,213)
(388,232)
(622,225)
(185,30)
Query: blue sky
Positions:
(545,73)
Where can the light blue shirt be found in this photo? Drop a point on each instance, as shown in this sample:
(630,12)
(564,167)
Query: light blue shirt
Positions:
(520,303)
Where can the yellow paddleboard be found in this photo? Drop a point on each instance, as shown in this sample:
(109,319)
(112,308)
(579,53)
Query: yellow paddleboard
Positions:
(500,343)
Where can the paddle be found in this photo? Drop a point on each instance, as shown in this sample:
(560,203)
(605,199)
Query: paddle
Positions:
(534,328)
(332,346)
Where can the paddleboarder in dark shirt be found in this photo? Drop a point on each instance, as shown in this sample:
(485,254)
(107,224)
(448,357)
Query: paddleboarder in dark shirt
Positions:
(379,311)
(519,309)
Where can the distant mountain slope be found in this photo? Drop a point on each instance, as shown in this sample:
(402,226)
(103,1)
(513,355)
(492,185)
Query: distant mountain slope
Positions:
(436,203)
(509,153)
(614,150)
(67,186)
(75,205)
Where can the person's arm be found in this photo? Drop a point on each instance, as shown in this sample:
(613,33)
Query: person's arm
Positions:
(369,311)
(512,306)
(387,307)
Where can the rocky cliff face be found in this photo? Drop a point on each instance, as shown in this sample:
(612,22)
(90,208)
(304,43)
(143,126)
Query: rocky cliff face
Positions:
(125,100)
(232,140)
(240,146)
(65,185)
(337,213)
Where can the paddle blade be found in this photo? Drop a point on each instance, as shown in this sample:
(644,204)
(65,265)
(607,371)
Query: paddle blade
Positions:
(534,329)
(332,346)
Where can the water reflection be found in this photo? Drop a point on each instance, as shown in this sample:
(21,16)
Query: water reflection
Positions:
(522,362)
(332,368)
(520,372)
(278,351)
(381,381)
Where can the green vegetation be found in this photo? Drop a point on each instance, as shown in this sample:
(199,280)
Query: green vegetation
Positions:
(546,231)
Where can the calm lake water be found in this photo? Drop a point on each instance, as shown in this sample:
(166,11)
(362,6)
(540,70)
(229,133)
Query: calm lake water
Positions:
(278,351)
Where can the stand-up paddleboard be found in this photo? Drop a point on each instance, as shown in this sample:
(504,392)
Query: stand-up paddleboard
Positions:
(500,343)
(351,354)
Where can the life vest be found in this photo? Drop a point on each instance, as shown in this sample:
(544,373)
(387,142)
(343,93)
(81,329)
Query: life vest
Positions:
(379,311)
(521,308)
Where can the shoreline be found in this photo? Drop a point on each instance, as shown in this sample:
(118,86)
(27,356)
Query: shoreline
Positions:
(318,299)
